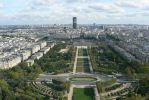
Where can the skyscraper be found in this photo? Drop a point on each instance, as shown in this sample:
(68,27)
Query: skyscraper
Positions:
(74,22)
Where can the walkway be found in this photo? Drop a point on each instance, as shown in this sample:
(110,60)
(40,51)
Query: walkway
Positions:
(75,62)
(83,85)
(77,56)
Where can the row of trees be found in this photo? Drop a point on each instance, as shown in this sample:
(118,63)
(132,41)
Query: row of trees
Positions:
(101,86)
(134,69)
(54,61)
(106,60)
(59,85)
(14,82)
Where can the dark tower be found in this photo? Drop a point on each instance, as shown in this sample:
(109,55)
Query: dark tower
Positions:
(74,22)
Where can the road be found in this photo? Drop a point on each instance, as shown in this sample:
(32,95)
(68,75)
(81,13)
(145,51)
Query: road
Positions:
(46,77)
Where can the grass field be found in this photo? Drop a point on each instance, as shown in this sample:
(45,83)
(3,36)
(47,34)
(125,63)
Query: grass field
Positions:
(83,79)
(83,94)
(82,52)
(83,69)
(82,65)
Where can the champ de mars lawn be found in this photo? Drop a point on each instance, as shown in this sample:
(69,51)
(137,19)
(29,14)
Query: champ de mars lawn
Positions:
(83,94)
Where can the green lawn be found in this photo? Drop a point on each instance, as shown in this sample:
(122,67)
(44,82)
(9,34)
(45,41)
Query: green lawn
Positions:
(82,52)
(83,79)
(82,69)
(79,69)
(84,60)
(83,94)
(82,65)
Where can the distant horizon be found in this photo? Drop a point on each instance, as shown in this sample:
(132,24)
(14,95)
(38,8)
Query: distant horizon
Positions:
(27,12)
(69,24)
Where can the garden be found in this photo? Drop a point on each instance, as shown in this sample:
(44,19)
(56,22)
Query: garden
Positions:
(83,94)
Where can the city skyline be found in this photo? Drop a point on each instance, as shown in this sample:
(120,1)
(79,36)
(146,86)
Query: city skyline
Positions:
(61,12)
(74,50)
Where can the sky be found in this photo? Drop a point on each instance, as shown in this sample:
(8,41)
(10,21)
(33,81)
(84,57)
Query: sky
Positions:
(61,11)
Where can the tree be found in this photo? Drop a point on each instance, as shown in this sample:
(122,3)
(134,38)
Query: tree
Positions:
(137,97)
(5,92)
(130,72)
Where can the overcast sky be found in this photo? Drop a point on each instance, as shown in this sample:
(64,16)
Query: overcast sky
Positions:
(62,11)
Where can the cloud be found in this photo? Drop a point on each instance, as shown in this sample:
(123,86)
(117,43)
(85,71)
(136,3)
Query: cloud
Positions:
(44,2)
(108,8)
(62,11)
(138,14)
(1,5)
(133,3)
(80,1)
